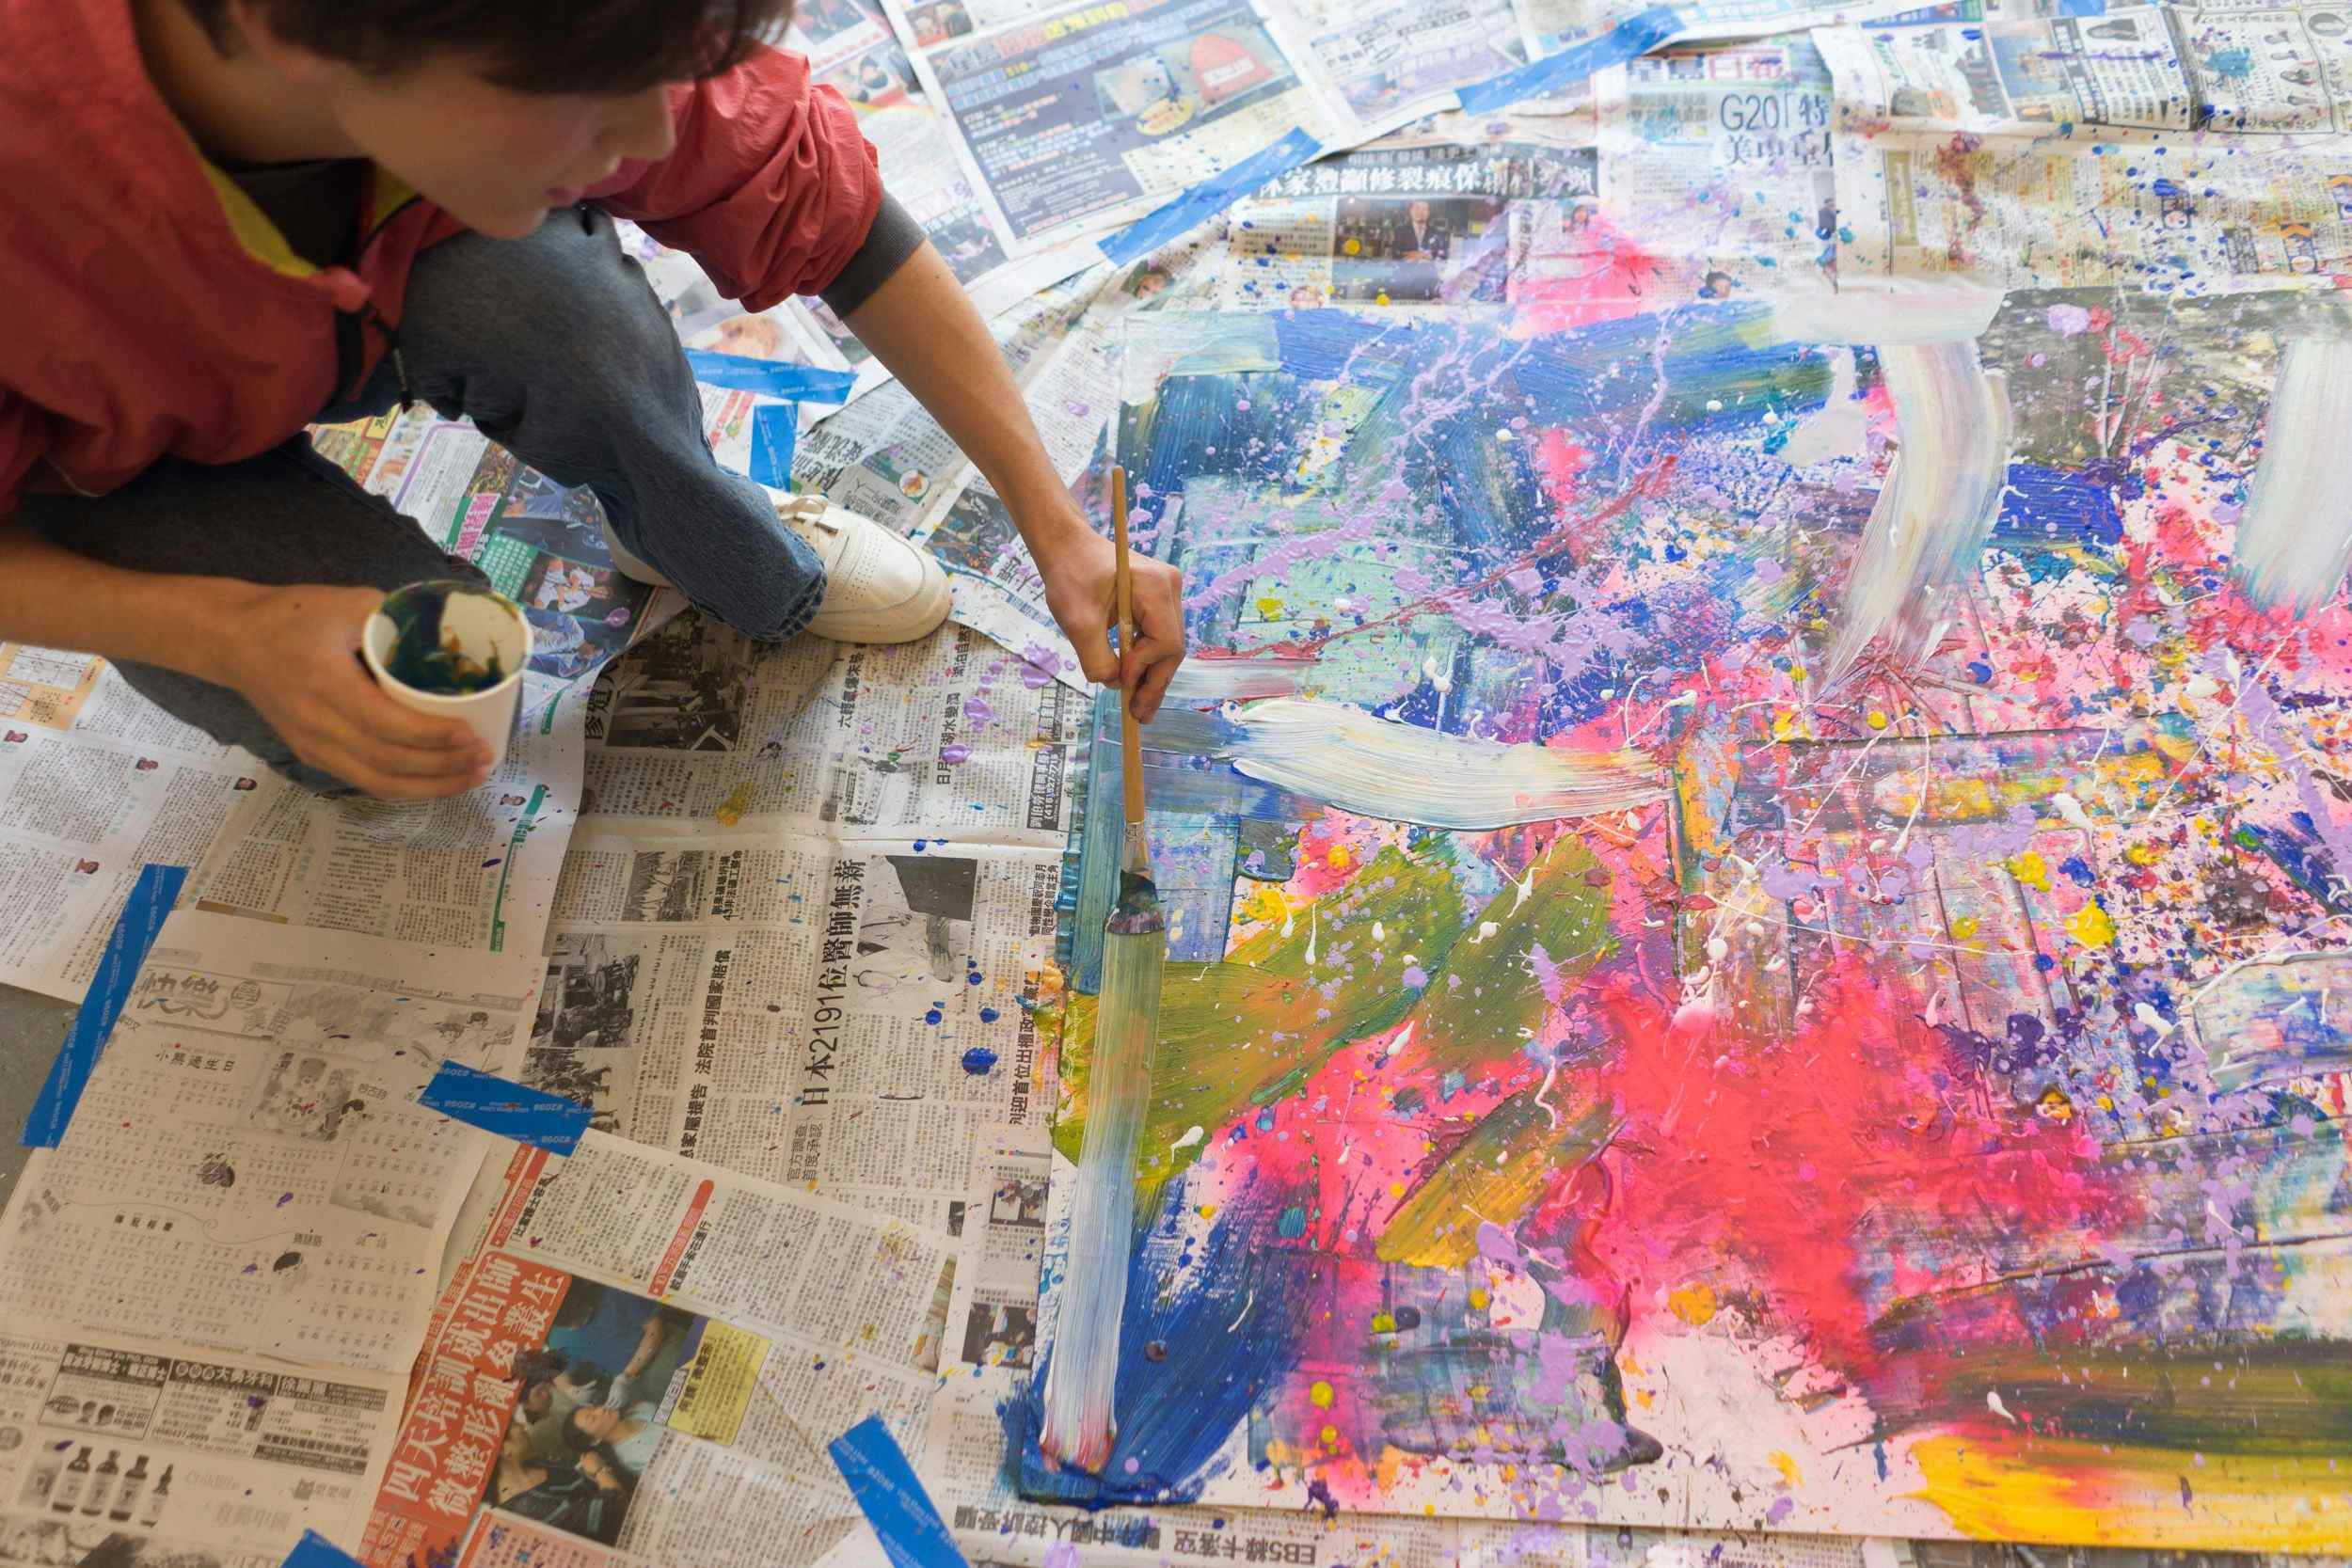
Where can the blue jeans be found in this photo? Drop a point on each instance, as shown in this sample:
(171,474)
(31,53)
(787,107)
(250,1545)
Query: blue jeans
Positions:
(557,349)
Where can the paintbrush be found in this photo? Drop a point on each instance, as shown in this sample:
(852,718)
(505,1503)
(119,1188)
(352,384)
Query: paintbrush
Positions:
(1084,1372)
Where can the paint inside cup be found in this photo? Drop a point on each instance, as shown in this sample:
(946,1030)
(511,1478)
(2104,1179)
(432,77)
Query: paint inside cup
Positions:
(450,638)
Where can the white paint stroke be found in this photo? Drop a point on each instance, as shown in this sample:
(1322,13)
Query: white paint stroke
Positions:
(1345,758)
(1205,682)
(1928,529)
(1886,312)
(2294,538)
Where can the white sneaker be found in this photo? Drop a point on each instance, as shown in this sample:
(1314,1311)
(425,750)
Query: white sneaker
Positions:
(877,587)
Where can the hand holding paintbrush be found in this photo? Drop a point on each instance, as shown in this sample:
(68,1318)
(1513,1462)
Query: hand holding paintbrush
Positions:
(1080,1423)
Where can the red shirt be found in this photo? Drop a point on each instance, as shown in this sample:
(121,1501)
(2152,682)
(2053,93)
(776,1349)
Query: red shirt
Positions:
(147,309)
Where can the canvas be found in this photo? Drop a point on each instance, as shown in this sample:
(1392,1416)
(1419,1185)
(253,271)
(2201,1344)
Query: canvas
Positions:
(1754,926)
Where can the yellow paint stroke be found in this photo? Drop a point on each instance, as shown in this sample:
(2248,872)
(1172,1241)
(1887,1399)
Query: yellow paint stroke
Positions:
(1694,1304)
(2028,868)
(2119,784)
(2091,925)
(1790,1476)
(2026,1487)
(730,811)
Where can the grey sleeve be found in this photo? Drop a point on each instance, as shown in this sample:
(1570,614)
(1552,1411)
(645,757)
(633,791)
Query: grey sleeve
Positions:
(894,237)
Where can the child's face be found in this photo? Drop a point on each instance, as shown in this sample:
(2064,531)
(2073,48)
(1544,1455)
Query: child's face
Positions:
(496,159)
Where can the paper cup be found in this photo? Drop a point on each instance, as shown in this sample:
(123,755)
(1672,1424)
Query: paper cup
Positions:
(477,623)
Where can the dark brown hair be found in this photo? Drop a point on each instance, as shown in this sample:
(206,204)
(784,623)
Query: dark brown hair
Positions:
(583,46)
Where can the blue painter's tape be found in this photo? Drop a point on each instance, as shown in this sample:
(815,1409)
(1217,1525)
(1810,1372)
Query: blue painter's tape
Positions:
(893,1500)
(510,1110)
(776,377)
(1635,35)
(152,896)
(775,431)
(315,1551)
(2082,8)
(1214,194)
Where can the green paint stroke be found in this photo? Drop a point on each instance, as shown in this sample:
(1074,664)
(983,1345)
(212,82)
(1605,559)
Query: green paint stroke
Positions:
(1489,990)
(1496,1174)
(1253,1026)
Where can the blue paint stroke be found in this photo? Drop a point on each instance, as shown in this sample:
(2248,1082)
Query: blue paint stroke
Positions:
(912,1534)
(1210,197)
(510,1110)
(776,378)
(151,902)
(1223,1331)
(2052,507)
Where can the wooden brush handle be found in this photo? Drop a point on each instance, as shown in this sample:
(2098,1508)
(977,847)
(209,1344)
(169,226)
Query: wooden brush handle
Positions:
(1130,737)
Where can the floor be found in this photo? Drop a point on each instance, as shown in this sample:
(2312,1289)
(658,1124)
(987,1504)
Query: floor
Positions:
(31,1029)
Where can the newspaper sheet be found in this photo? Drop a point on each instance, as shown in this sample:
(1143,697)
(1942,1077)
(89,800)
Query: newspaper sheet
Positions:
(800,1010)
(83,807)
(1719,158)
(1388,61)
(2074,151)
(214,1286)
(643,1359)
(248,1170)
(1084,118)
(952,739)
(1554,24)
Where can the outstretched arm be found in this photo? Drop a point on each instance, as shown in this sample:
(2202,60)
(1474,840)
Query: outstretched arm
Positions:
(920,325)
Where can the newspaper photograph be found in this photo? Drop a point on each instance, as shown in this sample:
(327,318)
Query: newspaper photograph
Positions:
(248,1171)
(1090,117)
(649,1354)
(953,735)
(797,1010)
(992,1316)
(1417,218)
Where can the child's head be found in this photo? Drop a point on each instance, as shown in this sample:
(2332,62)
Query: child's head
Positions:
(496,110)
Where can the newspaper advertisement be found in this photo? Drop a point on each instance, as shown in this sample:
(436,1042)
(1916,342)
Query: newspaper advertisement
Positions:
(949,739)
(642,1360)
(2020,78)
(800,1010)
(82,809)
(248,1171)
(44,686)
(141,1451)
(1391,60)
(1090,117)
(2030,200)
(1721,156)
